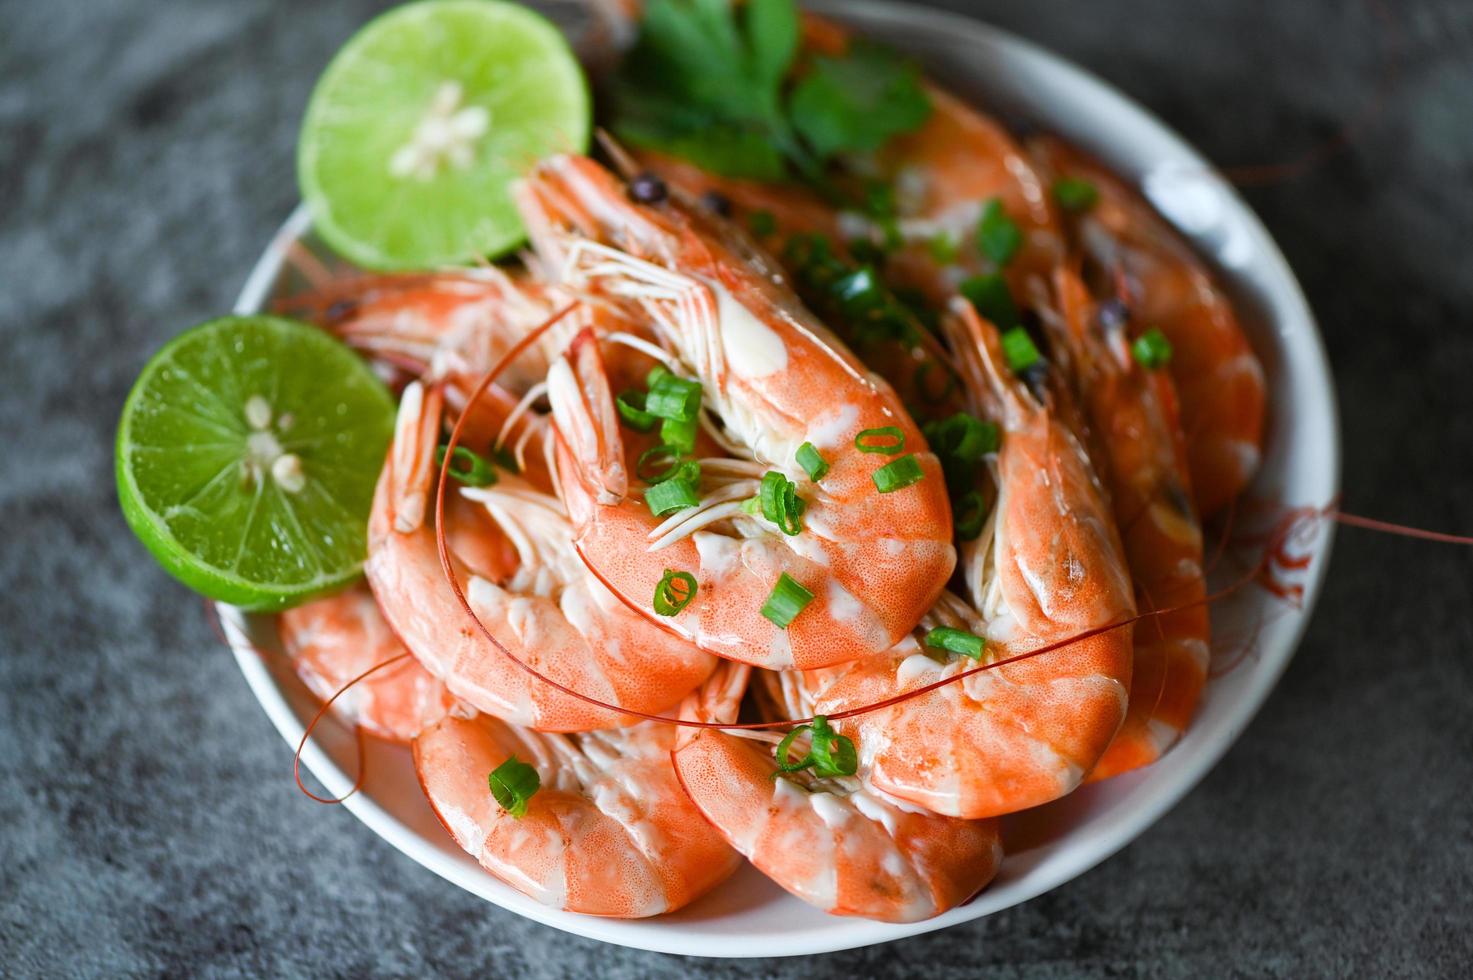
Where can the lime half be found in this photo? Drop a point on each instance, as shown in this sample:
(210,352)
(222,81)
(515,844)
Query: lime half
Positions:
(247,456)
(422,121)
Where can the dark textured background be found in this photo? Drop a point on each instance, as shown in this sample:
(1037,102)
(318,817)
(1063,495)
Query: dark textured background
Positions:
(148,821)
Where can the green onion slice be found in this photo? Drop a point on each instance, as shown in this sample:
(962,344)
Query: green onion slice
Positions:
(631,409)
(998,236)
(897,474)
(467,466)
(956,641)
(968,515)
(813,464)
(786,601)
(943,248)
(887,439)
(992,299)
(513,783)
(506,459)
(657,464)
(964,436)
(829,753)
(679,433)
(780,502)
(1019,350)
(1151,349)
(1075,194)
(674,592)
(674,398)
(676,492)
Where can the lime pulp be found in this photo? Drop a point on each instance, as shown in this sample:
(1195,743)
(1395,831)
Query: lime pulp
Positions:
(246,459)
(417,129)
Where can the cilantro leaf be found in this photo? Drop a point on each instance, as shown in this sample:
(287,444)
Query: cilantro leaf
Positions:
(857,102)
(772,32)
(709,82)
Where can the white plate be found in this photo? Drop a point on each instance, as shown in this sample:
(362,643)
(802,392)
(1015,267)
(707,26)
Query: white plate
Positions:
(750,916)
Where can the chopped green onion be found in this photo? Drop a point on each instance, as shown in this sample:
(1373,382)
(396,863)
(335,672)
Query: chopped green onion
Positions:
(761,223)
(780,502)
(897,474)
(670,600)
(956,641)
(968,515)
(631,410)
(859,292)
(829,753)
(964,436)
(468,467)
(786,601)
(813,464)
(667,457)
(879,200)
(753,506)
(673,398)
(890,237)
(679,433)
(1075,194)
(1151,349)
(998,236)
(506,459)
(676,492)
(992,299)
(513,783)
(1018,350)
(943,248)
(887,439)
(865,251)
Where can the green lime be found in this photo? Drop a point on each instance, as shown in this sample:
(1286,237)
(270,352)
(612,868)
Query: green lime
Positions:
(246,459)
(422,121)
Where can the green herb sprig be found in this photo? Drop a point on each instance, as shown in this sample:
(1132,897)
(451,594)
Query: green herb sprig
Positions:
(715,84)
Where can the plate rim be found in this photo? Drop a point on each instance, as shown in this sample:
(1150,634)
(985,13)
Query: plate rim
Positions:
(649,934)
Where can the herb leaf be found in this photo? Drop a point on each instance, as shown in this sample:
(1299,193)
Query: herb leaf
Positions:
(855,103)
(709,83)
(772,32)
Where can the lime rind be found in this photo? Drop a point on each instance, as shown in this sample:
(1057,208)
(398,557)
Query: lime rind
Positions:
(508,60)
(183,436)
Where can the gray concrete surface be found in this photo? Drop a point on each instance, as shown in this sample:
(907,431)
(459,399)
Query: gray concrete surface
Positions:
(148,821)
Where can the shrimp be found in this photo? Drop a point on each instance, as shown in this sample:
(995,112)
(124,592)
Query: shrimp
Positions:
(1142,262)
(452,326)
(833,842)
(610,831)
(1047,566)
(772,379)
(943,175)
(334,640)
(1132,411)
(535,597)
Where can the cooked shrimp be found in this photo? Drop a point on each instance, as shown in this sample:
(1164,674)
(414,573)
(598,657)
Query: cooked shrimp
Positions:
(1163,284)
(1046,567)
(772,379)
(542,604)
(833,842)
(610,831)
(1133,413)
(943,175)
(452,326)
(332,641)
